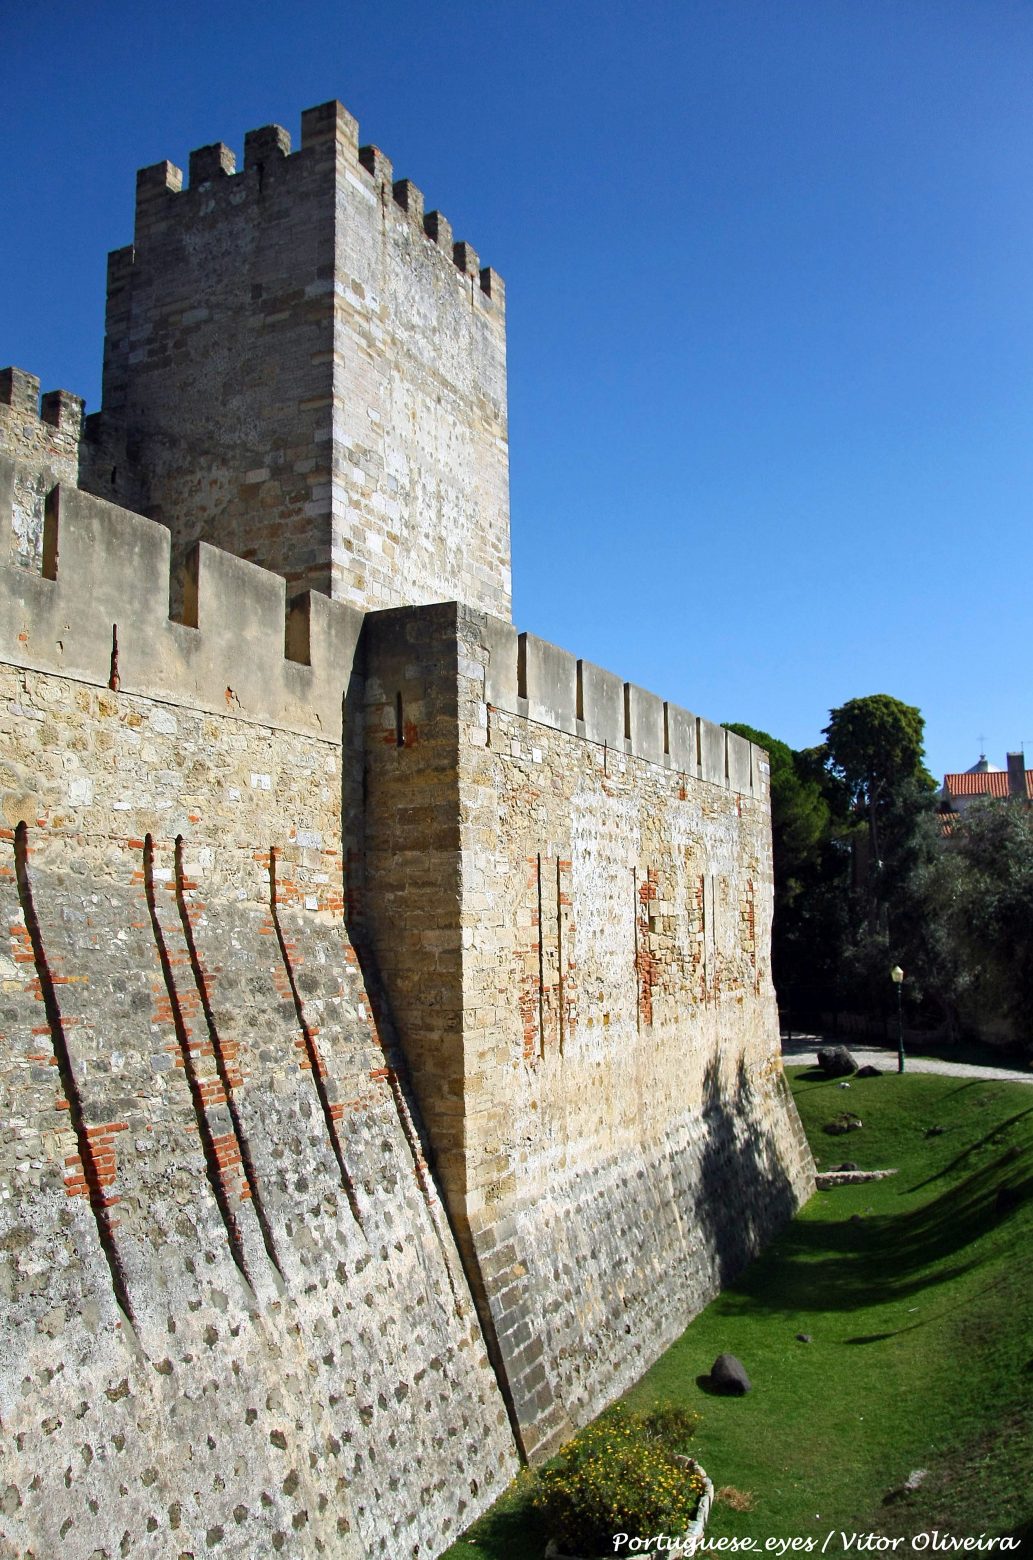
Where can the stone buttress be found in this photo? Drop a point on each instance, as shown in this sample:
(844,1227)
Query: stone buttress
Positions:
(569,888)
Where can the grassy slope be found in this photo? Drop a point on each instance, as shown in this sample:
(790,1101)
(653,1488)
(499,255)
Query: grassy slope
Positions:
(921,1315)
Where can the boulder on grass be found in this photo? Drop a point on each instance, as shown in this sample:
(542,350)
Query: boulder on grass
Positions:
(728,1375)
(869,1072)
(835,1061)
(846,1121)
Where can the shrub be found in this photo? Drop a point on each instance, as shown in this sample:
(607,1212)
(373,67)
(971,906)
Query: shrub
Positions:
(624,1473)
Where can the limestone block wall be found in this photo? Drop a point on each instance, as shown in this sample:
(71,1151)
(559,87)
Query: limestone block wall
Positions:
(303,915)
(234,1318)
(423,461)
(41,440)
(320,892)
(310,372)
(612,1127)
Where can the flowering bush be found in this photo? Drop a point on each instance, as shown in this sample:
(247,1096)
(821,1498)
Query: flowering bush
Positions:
(623,1473)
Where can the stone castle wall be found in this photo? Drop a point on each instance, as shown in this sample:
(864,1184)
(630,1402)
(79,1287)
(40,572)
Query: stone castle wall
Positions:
(235,1319)
(307,916)
(593,1040)
(638,1146)
(303,368)
(389,1065)
(43,440)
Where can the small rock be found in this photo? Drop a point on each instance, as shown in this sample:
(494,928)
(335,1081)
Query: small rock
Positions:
(844,1122)
(916,1477)
(804,1338)
(836,1061)
(727,1374)
(935,1131)
(855,1218)
(842,1086)
(848,1164)
(869,1071)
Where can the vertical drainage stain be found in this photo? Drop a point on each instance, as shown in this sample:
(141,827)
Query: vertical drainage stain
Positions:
(635,948)
(227,1079)
(315,1061)
(541,965)
(559,954)
(114,678)
(93,1174)
(204,1130)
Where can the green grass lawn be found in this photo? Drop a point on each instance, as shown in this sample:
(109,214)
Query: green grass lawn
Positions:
(917,1294)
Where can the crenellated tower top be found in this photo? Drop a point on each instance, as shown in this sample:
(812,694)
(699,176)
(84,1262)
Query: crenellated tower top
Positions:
(304,367)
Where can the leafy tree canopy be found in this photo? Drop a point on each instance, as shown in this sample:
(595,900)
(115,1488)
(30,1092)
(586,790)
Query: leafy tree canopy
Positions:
(865,880)
(875,745)
(799,812)
(992,918)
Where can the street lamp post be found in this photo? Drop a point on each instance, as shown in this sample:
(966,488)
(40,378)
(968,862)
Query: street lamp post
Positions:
(897,977)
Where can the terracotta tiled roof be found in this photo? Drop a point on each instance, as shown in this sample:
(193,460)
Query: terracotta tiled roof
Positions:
(993,782)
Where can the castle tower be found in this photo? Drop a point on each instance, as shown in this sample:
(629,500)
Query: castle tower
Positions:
(387,1032)
(310,373)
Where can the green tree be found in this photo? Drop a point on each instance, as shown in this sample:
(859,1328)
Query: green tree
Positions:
(874,742)
(799,811)
(805,930)
(874,746)
(990,914)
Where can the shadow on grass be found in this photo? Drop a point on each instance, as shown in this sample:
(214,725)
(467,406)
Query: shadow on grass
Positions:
(515,1531)
(894,1332)
(845,1264)
(706,1385)
(1024,1534)
(992,1138)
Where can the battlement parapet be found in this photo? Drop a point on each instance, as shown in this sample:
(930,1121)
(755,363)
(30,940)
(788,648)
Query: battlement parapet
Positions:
(96,607)
(98,611)
(58,409)
(304,367)
(529,677)
(45,439)
(20,391)
(213,176)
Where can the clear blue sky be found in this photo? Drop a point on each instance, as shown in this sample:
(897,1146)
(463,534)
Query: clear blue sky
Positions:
(769,270)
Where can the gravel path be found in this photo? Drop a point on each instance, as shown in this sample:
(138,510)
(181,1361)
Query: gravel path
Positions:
(801,1051)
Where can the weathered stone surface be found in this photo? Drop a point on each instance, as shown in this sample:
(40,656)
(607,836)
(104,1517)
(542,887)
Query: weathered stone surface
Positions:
(827,1179)
(43,451)
(313,915)
(268,1327)
(306,379)
(728,1375)
(599,1065)
(836,1061)
(846,1121)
